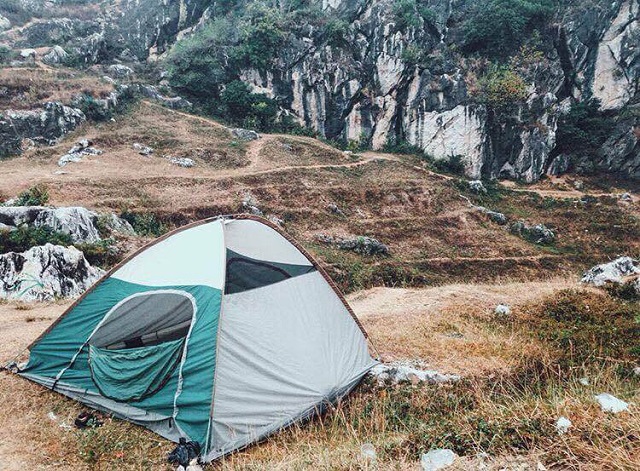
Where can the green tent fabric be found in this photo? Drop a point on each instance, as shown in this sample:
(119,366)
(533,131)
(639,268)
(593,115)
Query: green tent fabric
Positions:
(132,374)
(160,343)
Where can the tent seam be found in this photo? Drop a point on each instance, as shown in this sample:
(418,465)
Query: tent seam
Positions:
(220,311)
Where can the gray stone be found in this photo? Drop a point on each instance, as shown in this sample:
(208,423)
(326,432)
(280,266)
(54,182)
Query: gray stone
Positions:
(43,126)
(477,186)
(408,372)
(438,459)
(538,234)
(56,55)
(245,134)
(4,23)
(120,71)
(362,245)
(612,272)
(502,310)
(81,148)
(184,162)
(45,273)
(332,207)
(142,149)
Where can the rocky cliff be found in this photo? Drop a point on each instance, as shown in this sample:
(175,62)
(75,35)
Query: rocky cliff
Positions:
(384,73)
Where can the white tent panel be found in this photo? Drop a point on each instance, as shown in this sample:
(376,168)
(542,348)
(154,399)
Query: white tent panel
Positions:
(256,240)
(283,349)
(191,257)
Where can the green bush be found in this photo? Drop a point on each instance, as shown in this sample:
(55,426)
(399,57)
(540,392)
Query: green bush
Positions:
(261,38)
(411,14)
(394,146)
(501,88)
(498,27)
(454,164)
(336,31)
(583,129)
(94,110)
(244,108)
(6,54)
(25,237)
(145,224)
(37,195)
(103,254)
(199,65)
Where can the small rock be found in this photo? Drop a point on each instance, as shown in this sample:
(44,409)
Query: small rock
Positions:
(276,220)
(245,134)
(406,372)
(120,71)
(68,158)
(502,310)
(626,197)
(578,185)
(437,459)
(6,227)
(538,234)
(4,23)
(477,186)
(28,53)
(541,467)
(636,371)
(562,425)
(335,209)
(183,162)
(142,149)
(287,147)
(584,381)
(368,452)
(610,403)
(250,205)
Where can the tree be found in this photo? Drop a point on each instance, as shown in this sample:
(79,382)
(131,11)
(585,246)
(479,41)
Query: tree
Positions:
(498,27)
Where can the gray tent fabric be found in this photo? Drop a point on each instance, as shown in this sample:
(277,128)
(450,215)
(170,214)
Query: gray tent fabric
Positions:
(284,350)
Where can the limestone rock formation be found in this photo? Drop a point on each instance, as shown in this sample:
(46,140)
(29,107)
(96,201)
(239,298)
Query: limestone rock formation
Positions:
(45,273)
(44,126)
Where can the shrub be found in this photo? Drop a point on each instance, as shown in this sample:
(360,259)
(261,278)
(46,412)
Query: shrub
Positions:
(103,254)
(261,38)
(411,14)
(145,224)
(583,129)
(35,196)
(501,88)
(242,107)
(454,164)
(6,54)
(394,146)
(93,109)
(26,237)
(198,65)
(336,31)
(497,27)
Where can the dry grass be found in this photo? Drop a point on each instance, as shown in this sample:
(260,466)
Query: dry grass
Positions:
(26,88)
(517,382)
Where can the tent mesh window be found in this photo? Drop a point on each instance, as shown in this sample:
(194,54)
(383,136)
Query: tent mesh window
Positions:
(146,320)
(244,273)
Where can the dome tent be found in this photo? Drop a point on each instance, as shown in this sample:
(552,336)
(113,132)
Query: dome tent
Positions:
(222,332)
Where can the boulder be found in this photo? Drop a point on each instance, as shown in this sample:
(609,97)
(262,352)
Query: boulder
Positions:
(56,55)
(81,148)
(245,134)
(43,126)
(45,273)
(333,208)
(28,54)
(362,245)
(176,102)
(4,23)
(120,71)
(477,186)
(80,223)
(538,234)
(562,425)
(612,272)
